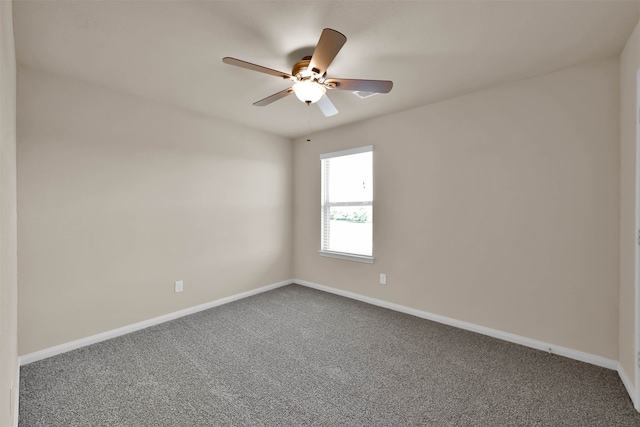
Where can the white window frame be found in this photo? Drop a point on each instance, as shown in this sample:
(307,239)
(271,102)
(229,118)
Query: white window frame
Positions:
(325,207)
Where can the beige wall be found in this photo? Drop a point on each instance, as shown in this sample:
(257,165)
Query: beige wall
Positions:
(119,197)
(8,256)
(498,208)
(629,65)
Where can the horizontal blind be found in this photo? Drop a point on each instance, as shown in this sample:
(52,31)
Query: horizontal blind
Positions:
(346,152)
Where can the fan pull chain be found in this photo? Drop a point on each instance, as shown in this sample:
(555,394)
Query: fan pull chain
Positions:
(309,134)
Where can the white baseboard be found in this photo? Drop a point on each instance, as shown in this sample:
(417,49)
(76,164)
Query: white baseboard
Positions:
(63,348)
(506,336)
(16,397)
(627,384)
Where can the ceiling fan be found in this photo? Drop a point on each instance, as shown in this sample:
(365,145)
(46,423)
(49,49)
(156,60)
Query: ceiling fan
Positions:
(309,75)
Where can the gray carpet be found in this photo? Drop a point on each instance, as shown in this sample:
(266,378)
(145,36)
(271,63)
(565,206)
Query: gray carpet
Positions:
(296,356)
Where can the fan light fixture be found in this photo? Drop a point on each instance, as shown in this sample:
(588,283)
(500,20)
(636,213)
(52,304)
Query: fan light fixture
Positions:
(309,91)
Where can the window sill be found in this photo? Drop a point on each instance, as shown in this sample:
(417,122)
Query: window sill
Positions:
(349,257)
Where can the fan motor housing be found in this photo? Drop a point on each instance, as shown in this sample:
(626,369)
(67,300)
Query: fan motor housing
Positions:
(301,66)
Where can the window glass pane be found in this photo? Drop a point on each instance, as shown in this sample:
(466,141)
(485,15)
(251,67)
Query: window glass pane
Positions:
(350,229)
(350,178)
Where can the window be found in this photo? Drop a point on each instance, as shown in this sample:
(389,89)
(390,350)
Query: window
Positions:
(347,204)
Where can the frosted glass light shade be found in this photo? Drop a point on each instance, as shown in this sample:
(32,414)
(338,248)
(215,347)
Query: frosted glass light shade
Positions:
(308,91)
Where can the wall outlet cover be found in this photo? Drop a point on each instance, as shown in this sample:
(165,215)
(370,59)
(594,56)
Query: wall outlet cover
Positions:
(178,286)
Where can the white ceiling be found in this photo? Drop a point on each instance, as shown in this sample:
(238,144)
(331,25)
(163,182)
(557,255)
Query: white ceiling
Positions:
(171,51)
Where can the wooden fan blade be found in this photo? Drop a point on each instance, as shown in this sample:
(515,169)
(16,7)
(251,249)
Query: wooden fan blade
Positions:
(326,106)
(269,99)
(249,66)
(326,50)
(377,86)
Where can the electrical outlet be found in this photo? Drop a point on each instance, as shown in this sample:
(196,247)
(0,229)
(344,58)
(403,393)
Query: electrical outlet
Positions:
(177,286)
(383,279)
